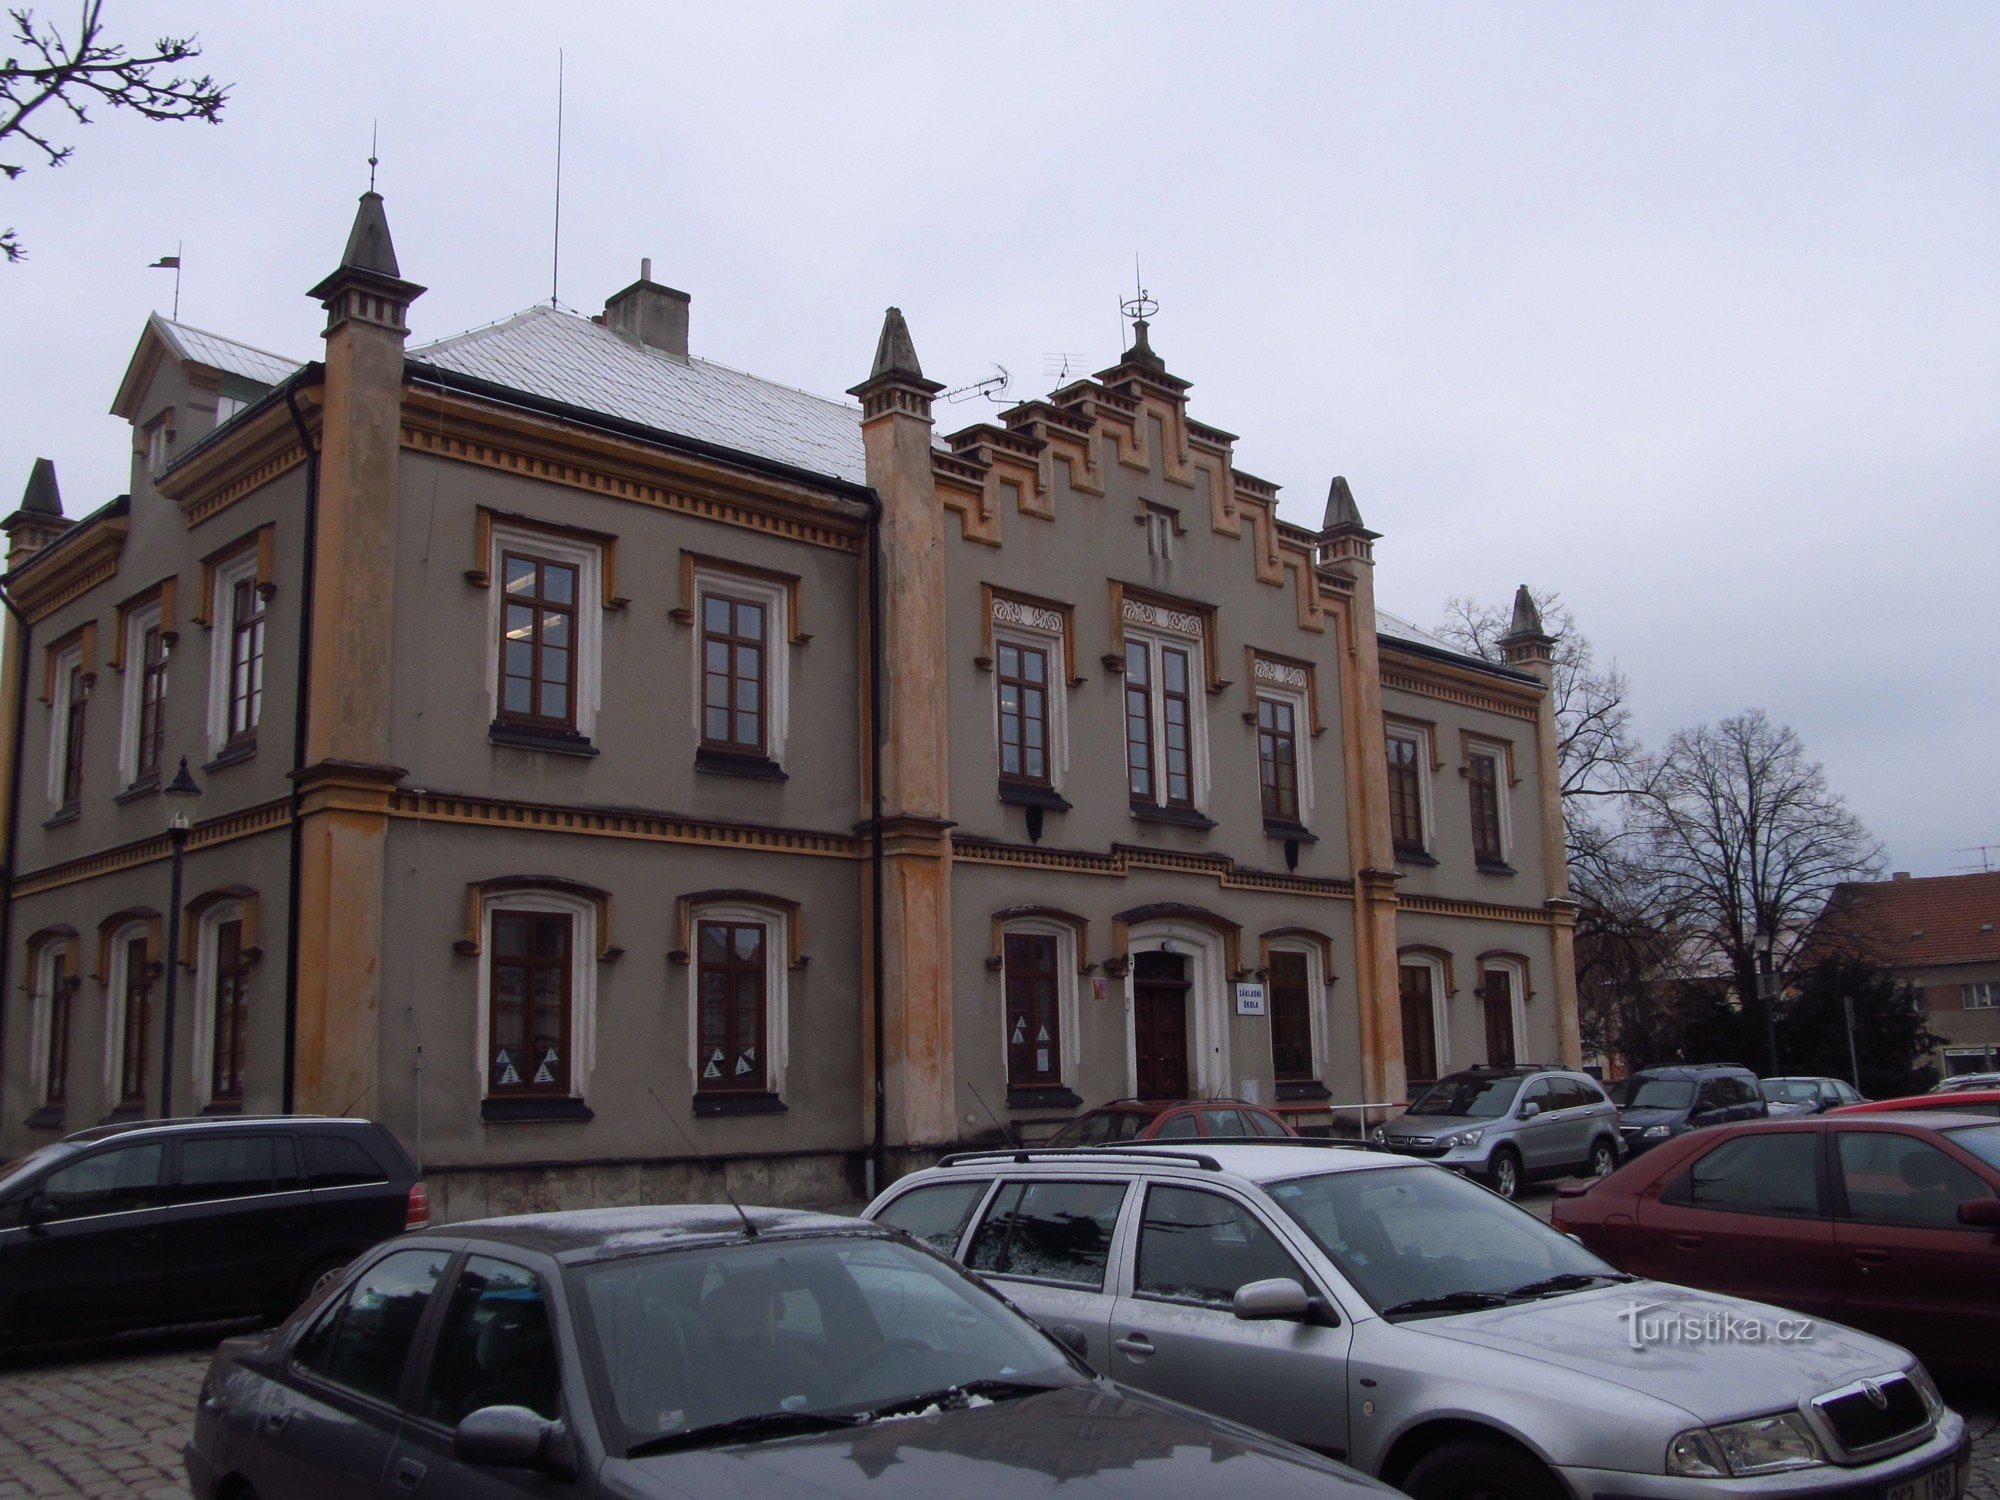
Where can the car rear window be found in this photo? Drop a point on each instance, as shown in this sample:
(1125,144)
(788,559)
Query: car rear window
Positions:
(1049,1231)
(1266,1125)
(1655,1093)
(339,1161)
(235,1166)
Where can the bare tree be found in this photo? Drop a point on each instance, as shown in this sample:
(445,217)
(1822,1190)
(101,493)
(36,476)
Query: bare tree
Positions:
(91,69)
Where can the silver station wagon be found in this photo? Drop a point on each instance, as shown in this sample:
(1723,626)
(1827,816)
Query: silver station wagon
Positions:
(1392,1314)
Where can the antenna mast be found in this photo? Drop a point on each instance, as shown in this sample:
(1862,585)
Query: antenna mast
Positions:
(555,251)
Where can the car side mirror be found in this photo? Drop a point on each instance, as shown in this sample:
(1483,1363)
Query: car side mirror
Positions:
(37,1214)
(1980,1213)
(1267,1301)
(506,1437)
(1530,1110)
(1071,1338)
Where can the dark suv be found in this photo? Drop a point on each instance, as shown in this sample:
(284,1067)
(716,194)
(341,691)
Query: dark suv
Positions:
(182,1221)
(1656,1104)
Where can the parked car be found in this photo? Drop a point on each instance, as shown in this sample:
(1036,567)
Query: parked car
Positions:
(182,1221)
(1509,1125)
(693,1351)
(1967,1081)
(1399,1316)
(1964,1102)
(1806,1096)
(1884,1221)
(1168,1120)
(1657,1104)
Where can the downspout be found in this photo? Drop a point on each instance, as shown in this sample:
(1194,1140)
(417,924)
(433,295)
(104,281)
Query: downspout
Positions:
(300,716)
(877,1149)
(13,816)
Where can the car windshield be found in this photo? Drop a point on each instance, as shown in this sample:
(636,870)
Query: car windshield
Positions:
(12,1173)
(1653,1093)
(1983,1141)
(688,1340)
(1790,1090)
(1414,1236)
(1104,1129)
(1468,1094)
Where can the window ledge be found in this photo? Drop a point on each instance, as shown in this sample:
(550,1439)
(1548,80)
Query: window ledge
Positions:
(547,1108)
(1180,817)
(528,737)
(1026,794)
(745,1103)
(1043,1098)
(143,788)
(734,763)
(64,815)
(223,1107)
(1292,833)
(233,755)
(48,1117)
(1494,867)
(1409,854)
(123,1113)
(1304,1088)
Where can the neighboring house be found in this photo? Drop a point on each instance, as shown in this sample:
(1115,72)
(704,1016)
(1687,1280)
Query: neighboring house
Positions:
(1939,934)
(608,755)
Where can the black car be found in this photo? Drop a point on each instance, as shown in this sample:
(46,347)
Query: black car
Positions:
(693,1351)
(182,1221)
(1656,1104)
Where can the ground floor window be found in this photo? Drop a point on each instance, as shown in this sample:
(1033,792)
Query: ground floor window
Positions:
(530,1003)
(230,1001)
(1500,1004)
(1420,1041)
(730,1049)
(1034,1020)
(1291,1017)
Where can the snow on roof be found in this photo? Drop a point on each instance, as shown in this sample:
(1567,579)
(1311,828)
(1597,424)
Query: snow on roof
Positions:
(198,346)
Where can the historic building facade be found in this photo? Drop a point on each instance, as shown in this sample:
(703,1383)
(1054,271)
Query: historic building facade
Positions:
(611,761)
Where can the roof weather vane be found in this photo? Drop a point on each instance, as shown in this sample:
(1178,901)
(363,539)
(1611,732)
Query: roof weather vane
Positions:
(1141,306)
(374,135)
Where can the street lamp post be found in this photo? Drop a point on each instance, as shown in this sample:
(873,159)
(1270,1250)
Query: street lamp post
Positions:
(1767,992)
(183,790)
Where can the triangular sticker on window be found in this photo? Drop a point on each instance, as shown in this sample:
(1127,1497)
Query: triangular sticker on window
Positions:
(742,1065)
(1020,1032)
(508,1075)
(1042,1034)
(713,1070)
(543,1075)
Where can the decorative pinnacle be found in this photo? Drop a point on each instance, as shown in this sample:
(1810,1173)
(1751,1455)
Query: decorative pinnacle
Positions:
(1527,621)
(895,353)
(42,498)
(1341,511)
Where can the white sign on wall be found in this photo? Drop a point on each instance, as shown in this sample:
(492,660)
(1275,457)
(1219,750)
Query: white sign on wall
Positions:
(1250,1000)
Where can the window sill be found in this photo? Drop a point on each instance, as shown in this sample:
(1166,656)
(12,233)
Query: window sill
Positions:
(1180,817)
(1057,1097)
(48,1117)
(233,755)
(745,1103)
(528,737)
(1304,1088)
(1291,833)
(1026,794)
(534,1110)
(1494,867)
(64,815)
(735,763)
(124,1113)
(142,788)
(1409,854)
(223,1107)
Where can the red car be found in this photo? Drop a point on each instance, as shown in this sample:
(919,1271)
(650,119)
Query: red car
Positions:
(1167,1120)
(1887,1222)
(1965,1102)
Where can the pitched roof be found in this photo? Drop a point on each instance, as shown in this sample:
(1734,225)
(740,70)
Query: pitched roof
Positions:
(200,347)
(1943,919)
(560,356)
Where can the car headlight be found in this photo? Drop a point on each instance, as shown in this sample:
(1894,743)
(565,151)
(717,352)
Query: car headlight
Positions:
(1464,1138)
(1656,1132)
(1927,1388)
(1762,1445)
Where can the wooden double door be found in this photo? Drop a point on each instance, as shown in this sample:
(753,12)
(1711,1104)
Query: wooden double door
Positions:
(1160,988)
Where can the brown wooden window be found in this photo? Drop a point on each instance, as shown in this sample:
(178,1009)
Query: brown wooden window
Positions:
(1420,1055)
(1277,759)
(232,1013)
(1291,1018)
(246,660)
(138,1018)
(1406,805)
(729,1047)
(1139,720)
(530,1003)
(76,701)
(1483,776)
(733,633)
(1179,722)
(1034,1020)
(1024,713)
(152,702)
(1497,1001)
(538,642)
(57,1056)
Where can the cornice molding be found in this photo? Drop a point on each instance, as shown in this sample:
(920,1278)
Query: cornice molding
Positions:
(78,563)
(617,823)
(205,835)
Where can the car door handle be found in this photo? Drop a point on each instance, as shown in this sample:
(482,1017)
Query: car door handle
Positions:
(1867,1258)
(409,1475)
(1137,1345)
(275,1421)
(1688,1241)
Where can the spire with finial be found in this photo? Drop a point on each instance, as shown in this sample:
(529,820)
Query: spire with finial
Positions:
(1341,511)
(895,351)
(1343,539)
(1527,614)
(896,381)
(368,285)
(40,519)
(1527,644)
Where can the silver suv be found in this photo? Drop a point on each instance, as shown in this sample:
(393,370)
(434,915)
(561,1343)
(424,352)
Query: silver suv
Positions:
(1508,1125)
(1409,1322)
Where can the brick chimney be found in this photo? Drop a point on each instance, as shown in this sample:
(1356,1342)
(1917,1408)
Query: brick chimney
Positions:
(655,315)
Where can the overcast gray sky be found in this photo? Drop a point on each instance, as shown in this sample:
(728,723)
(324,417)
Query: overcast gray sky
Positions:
(1685,310)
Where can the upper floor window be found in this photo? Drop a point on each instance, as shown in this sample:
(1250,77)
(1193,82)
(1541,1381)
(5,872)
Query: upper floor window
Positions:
(1023,685)
(1277,758)
(1159,722)
(1407,824)
(236,652)
(67,725)
(156,439)
(1489,830)
(1980,996)
(735,637)
(538,642)
(146,650)
(743,619)
(227,407)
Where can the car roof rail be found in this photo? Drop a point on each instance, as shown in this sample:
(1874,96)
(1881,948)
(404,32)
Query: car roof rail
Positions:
(105,1131)
(1315,1142)
(1085,1153)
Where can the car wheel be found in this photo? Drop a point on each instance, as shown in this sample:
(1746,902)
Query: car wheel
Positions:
(1603,1158)
(317,1280)
(1473,1470)
(1504,1174)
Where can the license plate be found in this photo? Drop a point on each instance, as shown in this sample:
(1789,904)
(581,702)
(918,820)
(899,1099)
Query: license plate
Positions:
(1940,1483)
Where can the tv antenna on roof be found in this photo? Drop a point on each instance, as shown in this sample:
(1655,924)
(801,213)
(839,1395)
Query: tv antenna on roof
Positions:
(555,248)
(1985,853)
(991,387)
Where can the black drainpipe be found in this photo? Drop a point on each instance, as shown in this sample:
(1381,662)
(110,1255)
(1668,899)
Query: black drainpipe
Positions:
(300,714)
(27,632)
(877,1150)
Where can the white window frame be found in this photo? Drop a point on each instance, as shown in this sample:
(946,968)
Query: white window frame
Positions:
(775,595)
(132,698)
(1295,699)
(1198,761)
(156,434)
(41,1014)
(68,666)
(114,1008)
(1979,994)
(1316,999)
(1209,1001)
(1419,736)
(587,659)
(582,912)
(221,645)
(1440,1008)
(1056,690)
(206,943)
(1068,1027)
(1502,789)
(776,923)
(1517,997)
(227,406)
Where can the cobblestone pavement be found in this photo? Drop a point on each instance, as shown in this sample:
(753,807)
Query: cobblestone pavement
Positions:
(110,1421)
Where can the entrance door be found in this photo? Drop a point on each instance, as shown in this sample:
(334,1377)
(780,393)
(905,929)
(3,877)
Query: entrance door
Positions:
(1159,1024)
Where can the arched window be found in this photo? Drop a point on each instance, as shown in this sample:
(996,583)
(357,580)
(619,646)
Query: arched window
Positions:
(1038,1007)
(1503,1006)
(1298,973)
(741,951)
(539,947)
(1424,980)
(53,973)
(221,939)
(130,972)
